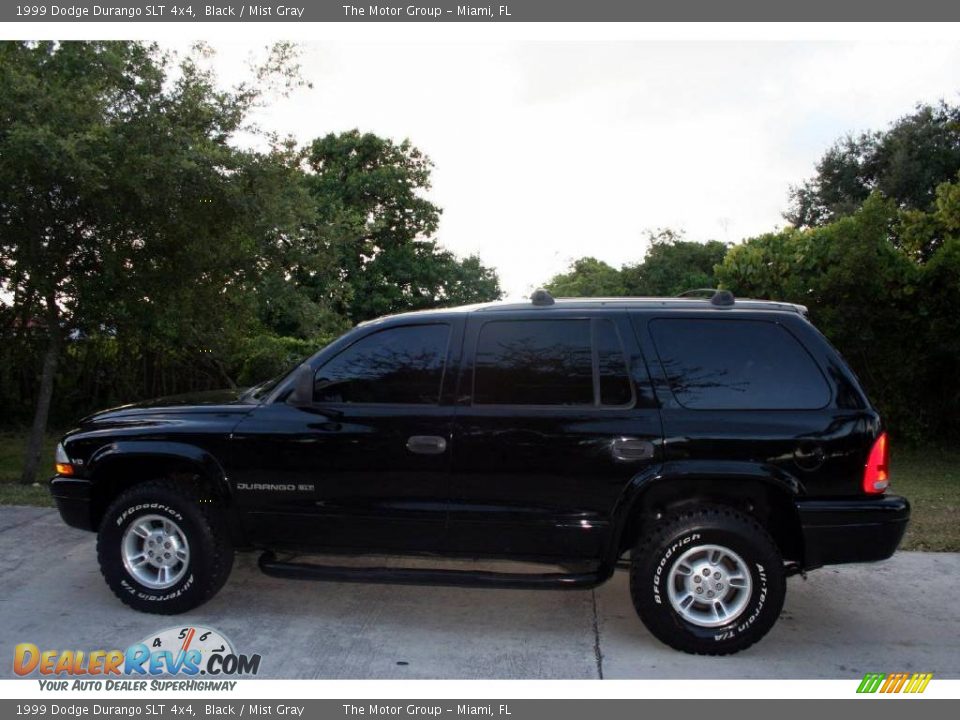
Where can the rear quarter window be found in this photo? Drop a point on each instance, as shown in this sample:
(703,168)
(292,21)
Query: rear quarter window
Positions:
(737,365)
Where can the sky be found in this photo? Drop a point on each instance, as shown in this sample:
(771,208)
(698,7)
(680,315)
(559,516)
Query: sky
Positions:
(549,151)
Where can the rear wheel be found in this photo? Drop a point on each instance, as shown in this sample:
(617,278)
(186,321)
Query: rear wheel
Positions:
(708,580)
(163,548)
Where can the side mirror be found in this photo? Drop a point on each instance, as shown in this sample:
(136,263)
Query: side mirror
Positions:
(302,386)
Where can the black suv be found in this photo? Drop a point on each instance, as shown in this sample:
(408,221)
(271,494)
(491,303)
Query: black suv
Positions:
(720,444)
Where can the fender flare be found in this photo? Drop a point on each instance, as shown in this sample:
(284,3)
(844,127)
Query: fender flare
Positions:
(204,462)
(724,473)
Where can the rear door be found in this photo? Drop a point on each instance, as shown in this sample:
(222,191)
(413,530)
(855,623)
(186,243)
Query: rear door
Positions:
(554,416)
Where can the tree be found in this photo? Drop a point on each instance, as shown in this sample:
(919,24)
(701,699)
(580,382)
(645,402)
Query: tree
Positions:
(670,266)
(861,291)
(124,209)
(588,277)
(370,250)
(905,163)
(673,265)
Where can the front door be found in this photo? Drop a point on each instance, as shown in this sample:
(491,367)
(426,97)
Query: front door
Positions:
(555,416)
(366,467)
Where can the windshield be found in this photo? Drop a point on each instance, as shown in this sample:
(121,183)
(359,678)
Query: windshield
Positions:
(258,392)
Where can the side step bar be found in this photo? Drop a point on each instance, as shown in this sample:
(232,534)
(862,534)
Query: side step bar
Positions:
(270,565)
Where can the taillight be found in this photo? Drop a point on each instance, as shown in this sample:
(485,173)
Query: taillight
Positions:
(876,473)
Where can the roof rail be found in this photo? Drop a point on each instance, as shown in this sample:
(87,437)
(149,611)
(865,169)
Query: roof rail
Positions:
(541,298)
(705,293)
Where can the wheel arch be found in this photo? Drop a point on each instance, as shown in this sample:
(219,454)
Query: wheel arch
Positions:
(764,491)
(123,464)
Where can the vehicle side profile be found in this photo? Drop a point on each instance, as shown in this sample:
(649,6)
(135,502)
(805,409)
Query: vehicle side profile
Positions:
(715,445)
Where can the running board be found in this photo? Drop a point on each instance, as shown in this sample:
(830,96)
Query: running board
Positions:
(427,576)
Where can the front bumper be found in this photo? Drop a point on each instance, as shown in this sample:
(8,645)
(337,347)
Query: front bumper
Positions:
(852,530)
(72,496)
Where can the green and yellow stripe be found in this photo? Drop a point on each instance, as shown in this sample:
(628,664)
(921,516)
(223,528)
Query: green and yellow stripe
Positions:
(894,682)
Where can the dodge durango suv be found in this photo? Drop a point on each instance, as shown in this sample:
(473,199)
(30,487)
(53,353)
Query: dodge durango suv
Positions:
(713,445)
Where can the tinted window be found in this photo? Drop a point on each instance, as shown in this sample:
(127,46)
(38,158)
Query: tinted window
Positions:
(612,365)
(738,365)
(534,362)
(397,365)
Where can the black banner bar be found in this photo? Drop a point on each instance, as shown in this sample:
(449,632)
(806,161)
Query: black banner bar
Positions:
(187,709)
(502,11)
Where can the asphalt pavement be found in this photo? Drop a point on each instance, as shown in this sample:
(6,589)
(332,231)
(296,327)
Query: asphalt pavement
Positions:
(899,615)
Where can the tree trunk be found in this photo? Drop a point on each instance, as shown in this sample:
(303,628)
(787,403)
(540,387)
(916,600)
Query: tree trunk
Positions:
(31,461)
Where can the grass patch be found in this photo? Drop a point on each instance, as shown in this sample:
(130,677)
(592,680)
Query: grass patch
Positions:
(12,447)
(929,478)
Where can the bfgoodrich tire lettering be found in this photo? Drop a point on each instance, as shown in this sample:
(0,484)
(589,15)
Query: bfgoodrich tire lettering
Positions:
(210,557)
(656,555)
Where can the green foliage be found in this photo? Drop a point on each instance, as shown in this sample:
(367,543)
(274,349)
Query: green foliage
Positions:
(588,277)
(892,316)
(905,163)
(265,356)
(369,250)
(673,265)
(142,247)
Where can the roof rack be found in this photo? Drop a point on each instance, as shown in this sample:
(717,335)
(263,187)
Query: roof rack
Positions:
(716,296)
(541,298)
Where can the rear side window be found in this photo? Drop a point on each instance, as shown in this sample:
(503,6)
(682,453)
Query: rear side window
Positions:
(397,365)
(738,365)
(550,362)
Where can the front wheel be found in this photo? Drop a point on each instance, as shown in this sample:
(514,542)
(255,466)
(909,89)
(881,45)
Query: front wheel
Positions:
(163,548)
(709,581)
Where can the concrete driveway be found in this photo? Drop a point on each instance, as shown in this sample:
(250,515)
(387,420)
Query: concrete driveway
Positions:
(900,615)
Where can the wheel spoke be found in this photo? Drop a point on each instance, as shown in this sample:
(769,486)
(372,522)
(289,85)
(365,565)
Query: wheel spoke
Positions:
(698,599)
(144,566)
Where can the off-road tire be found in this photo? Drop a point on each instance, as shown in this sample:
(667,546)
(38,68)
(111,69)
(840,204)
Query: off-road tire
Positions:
(657,551)
(202,522)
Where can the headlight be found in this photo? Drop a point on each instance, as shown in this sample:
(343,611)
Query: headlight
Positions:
(62,461)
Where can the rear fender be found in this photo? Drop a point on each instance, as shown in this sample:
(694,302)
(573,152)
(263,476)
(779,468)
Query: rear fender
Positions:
(724,479)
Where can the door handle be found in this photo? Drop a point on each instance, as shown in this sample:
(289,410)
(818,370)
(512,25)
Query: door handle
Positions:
(628,449)
(427,444)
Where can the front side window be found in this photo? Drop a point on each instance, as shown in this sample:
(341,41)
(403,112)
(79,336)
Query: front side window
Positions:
(575,362)
(396,365)
(738,365)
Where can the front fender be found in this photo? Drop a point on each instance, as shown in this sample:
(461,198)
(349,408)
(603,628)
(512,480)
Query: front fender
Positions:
(160,450)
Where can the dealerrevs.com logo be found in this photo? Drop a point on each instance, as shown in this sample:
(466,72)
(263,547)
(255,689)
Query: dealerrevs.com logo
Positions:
(184,652)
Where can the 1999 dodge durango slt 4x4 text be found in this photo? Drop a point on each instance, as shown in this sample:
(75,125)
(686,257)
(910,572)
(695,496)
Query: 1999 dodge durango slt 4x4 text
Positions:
(723,444)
